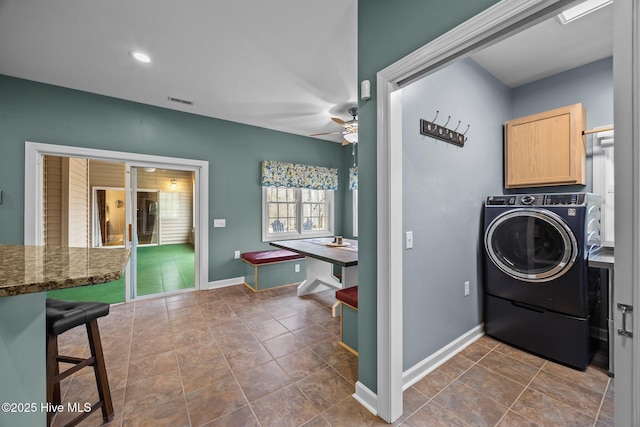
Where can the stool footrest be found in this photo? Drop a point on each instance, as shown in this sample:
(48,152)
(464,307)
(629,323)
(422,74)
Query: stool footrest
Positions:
(80,363)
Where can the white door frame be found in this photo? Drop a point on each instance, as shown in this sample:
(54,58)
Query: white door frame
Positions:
(495,23)
(33,192)
(626,76)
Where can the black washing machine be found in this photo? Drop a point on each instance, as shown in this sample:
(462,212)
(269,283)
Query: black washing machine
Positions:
(540,294)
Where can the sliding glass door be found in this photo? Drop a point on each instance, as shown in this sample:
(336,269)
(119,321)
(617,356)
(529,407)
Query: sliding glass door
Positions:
(161,230)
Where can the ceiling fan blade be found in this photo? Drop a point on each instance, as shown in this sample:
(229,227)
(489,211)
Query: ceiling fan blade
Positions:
(339,121)
(326,133)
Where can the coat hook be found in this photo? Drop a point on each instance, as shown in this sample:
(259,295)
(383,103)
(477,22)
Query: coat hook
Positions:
(459,121)
(465,132)
(434,119)
(445,125)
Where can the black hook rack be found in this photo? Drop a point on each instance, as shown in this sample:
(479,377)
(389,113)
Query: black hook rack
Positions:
(442,133)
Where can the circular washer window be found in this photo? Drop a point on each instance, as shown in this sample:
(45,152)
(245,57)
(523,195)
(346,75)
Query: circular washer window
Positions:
(534,245)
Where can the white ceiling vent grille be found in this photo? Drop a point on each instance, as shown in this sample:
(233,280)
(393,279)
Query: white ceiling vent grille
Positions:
(180,101)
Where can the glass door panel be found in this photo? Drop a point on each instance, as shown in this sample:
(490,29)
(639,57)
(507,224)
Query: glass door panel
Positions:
(163,229)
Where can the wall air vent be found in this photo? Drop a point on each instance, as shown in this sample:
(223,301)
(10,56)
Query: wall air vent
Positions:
(180,101)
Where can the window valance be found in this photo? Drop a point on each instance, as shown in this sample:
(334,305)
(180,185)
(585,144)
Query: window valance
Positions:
(353,178)
(281,174)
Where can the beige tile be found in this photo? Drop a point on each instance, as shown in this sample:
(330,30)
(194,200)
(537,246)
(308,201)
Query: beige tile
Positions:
(475,351)
(523,356)
(243,417)
(262,380)
(283,344)
(509,367)
(301,363)
(593,378)
(349,413)
(286,407)
(495,386)
(470,405)
(511,419)
(268,330)
(152,392)
(197,353)
(210,403)
(151,366)
(195,377)
(433,415)
(412,401)
(571,393)
(325,388)
(433,383)
(456,366)
(545,411)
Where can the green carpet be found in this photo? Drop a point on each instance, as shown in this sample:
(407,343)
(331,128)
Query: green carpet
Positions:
(160,269)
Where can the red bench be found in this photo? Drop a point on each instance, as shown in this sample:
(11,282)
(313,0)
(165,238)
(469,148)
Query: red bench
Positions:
(265,257)
(274,268)
(348,299)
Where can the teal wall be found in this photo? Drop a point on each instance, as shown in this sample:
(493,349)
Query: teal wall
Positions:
(387,31)
(38,112)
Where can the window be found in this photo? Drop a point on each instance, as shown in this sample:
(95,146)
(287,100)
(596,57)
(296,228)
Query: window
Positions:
(296,213)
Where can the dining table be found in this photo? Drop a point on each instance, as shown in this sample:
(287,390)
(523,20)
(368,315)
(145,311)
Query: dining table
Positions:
(322,254)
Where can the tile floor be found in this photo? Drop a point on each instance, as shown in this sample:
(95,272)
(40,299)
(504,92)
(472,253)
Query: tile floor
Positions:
(231,357)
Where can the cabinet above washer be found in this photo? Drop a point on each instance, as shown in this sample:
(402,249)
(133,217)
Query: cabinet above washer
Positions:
(546,149)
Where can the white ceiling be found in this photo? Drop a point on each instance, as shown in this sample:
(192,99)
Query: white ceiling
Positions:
(286,65)
(550,48)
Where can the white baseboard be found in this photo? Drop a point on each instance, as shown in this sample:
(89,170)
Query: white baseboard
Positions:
(366,398)
(424,367)
(226,282)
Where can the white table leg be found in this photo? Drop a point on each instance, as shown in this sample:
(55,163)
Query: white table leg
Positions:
(319,277)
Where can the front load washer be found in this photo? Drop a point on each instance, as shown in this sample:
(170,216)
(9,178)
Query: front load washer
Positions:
(540,293)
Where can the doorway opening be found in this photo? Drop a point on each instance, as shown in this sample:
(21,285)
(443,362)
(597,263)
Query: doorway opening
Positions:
(150,204)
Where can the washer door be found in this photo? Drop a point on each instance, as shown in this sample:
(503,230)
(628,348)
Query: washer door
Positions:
(530,244)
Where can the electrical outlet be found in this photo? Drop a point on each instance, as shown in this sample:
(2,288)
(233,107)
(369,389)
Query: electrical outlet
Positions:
(236,254)
(297,268)
(466,289)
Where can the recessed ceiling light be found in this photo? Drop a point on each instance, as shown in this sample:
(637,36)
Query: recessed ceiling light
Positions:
(140,56)
(582,9)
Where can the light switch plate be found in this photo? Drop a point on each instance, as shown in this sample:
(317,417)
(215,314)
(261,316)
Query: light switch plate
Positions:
(408,240)
(219,223)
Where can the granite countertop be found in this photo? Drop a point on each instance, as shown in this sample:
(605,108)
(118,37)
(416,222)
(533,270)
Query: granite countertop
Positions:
(29,269)
(602,258)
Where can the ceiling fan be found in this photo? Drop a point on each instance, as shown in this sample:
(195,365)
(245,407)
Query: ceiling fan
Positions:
(350,131)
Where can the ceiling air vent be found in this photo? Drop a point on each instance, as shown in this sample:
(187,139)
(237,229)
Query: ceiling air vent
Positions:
(180,101)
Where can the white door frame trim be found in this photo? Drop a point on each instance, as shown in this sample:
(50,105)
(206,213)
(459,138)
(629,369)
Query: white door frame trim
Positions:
(33,189)
(503,19)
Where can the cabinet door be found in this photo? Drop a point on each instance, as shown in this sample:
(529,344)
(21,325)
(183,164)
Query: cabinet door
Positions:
(546,149)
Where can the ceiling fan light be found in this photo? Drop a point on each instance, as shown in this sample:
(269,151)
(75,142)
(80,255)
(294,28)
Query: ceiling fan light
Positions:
(351,137)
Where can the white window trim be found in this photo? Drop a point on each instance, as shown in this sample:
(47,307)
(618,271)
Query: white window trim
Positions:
(603,183)
(300,234)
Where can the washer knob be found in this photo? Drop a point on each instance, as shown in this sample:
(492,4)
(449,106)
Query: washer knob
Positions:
(527,200)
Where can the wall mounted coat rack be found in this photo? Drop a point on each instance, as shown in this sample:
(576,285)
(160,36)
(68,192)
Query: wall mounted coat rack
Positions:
(441,132)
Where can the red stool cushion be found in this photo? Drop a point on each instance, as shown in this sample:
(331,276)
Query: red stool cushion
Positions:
(264,257)
(348,296)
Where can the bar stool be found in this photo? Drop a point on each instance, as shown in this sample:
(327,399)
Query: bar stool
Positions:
(65,315)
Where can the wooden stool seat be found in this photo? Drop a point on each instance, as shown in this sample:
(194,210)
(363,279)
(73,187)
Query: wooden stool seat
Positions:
(61,317)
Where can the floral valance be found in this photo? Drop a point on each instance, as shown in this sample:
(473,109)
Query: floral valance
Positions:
(280,174)
(353,178)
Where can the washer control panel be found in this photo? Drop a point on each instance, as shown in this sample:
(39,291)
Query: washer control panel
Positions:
(572,199)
